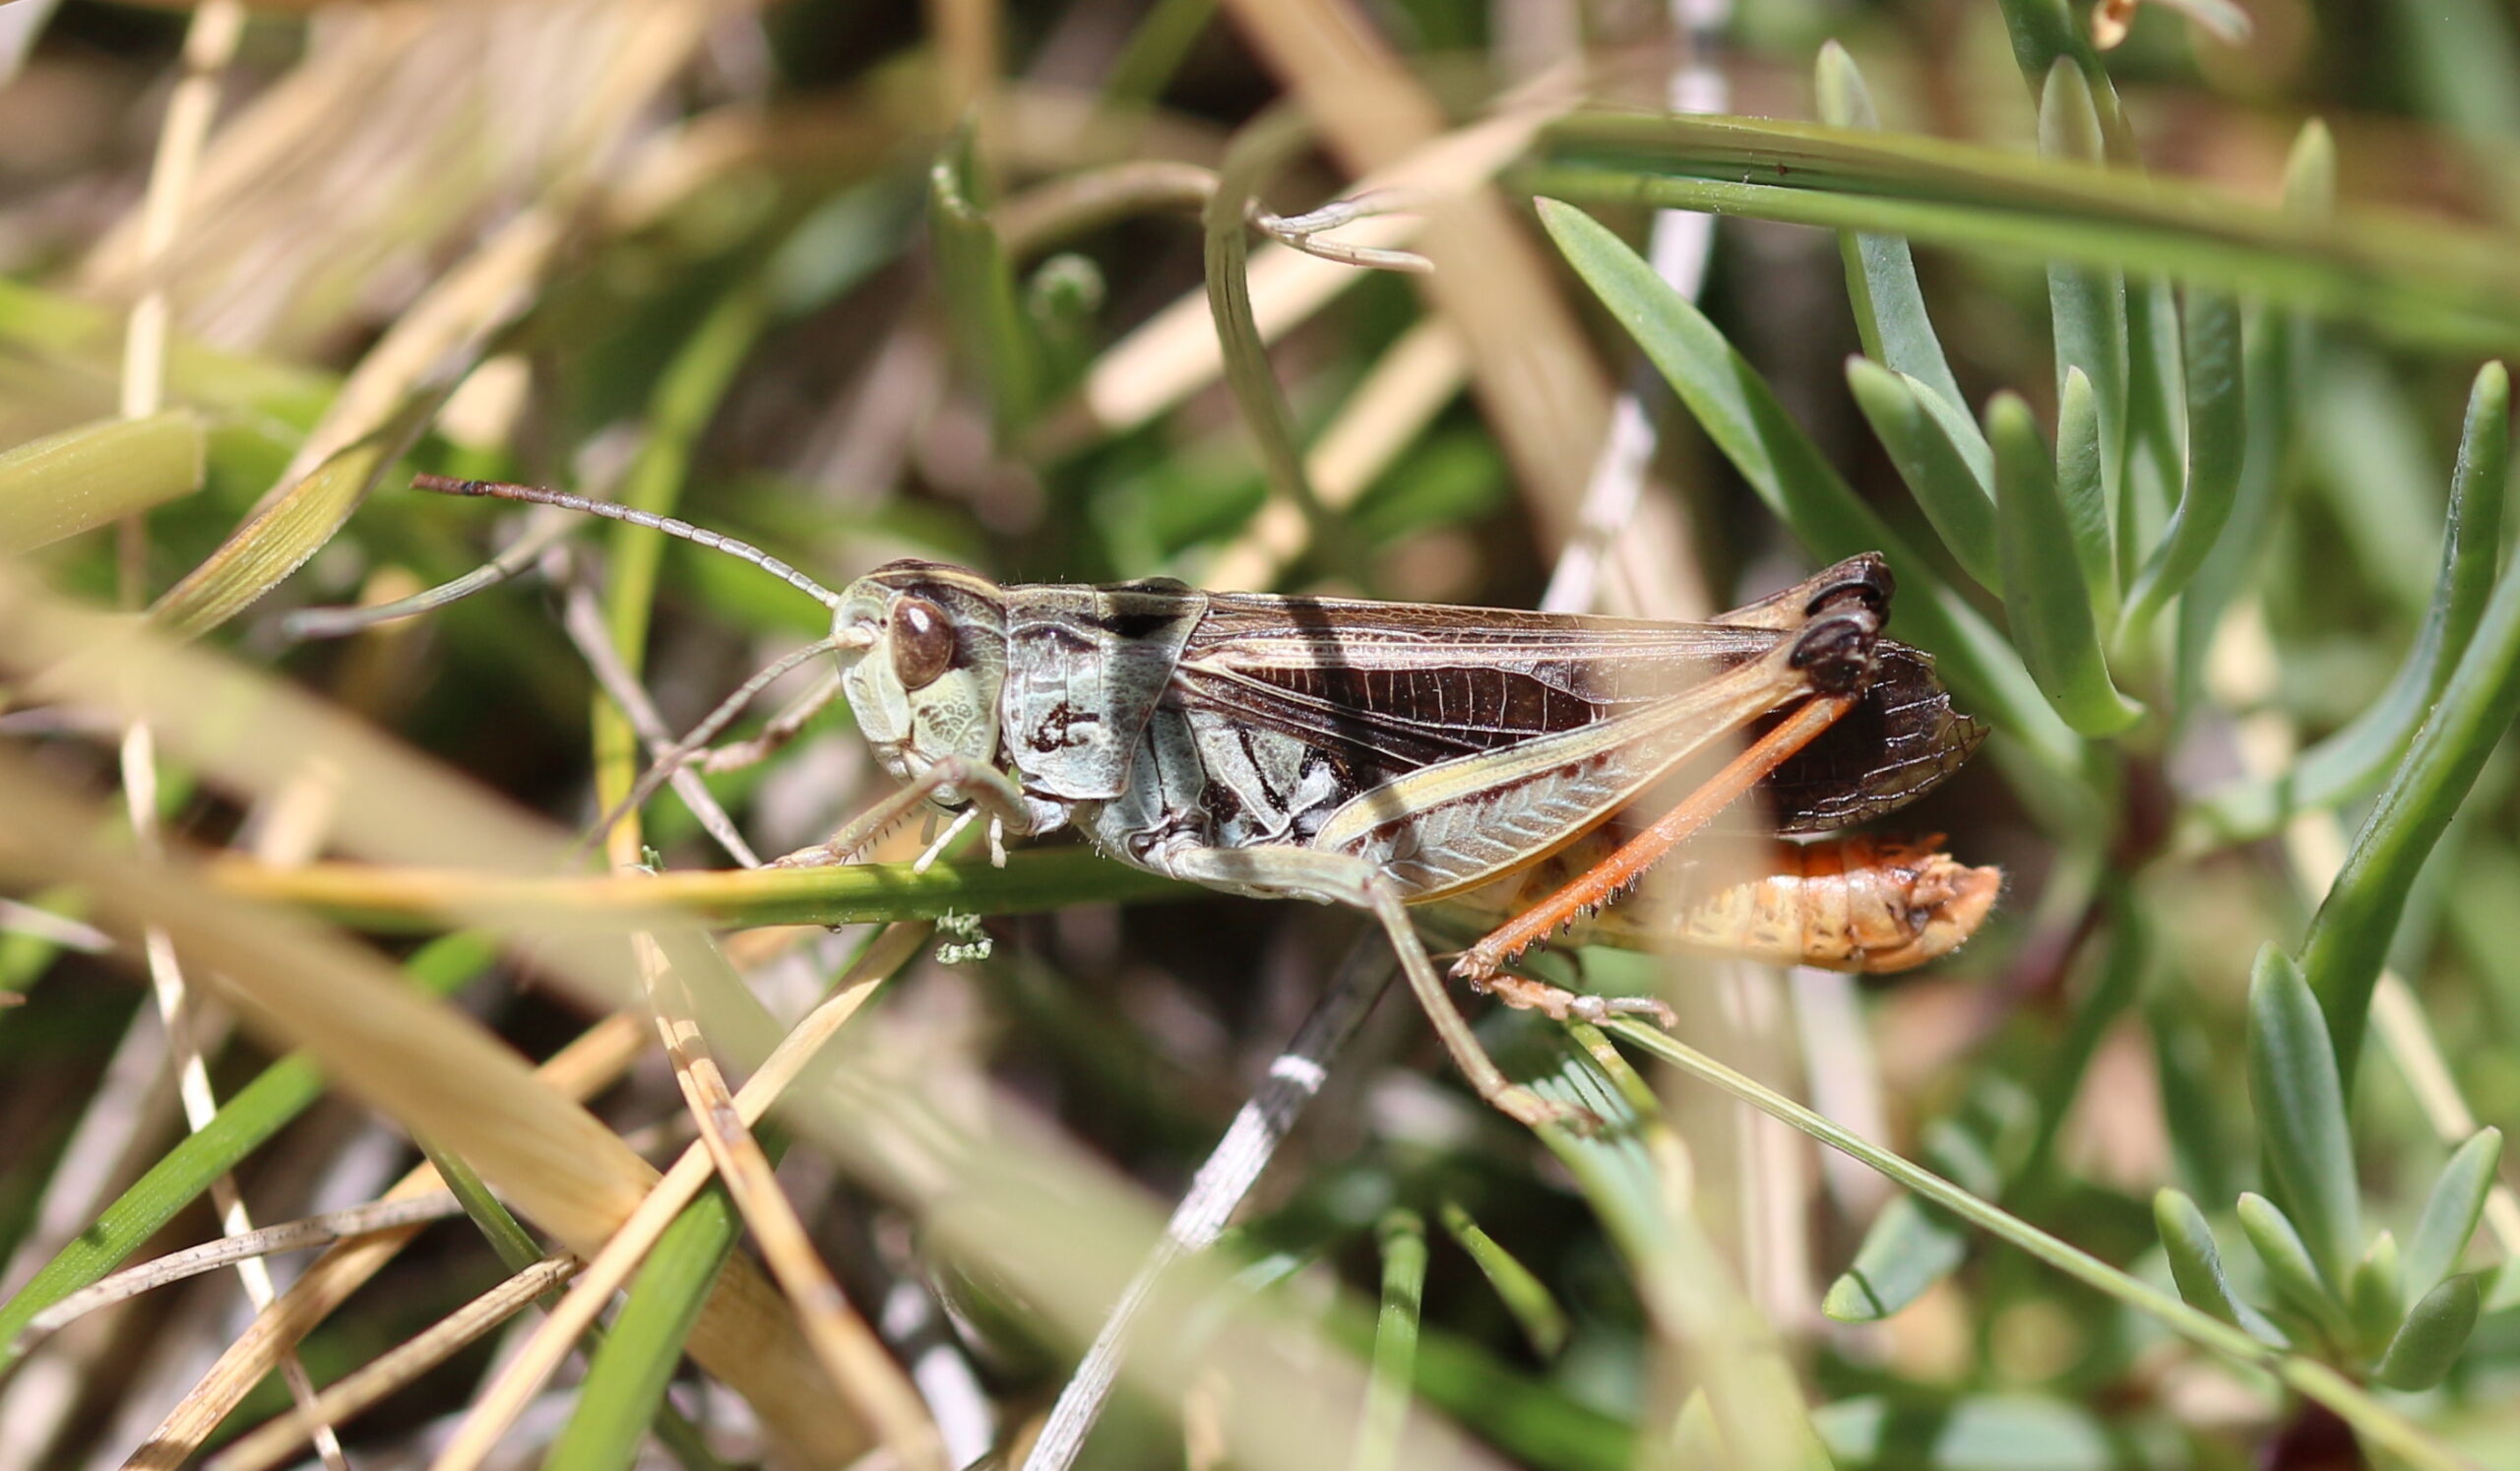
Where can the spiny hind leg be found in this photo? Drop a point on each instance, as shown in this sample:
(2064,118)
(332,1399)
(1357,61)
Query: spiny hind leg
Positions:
(1337,879)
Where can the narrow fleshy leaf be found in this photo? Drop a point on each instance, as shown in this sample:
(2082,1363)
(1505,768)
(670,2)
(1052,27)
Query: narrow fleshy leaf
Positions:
(1741,415)
(86,476)
(2083,487)
(1909,1249)
(2295,1090)
(1973,1431)
(2350,937)
(2451,1211)
(1946,490)
(2429,1342)
(2350,763)
(2216,441)
(2289,1267)
(2376,1293)
(1881,271)
(2196,1265)
(1536,1311)
(2087,305)
(2155,422)
(2045,592)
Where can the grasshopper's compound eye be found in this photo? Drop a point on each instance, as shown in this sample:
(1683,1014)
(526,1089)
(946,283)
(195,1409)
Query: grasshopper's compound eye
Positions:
(922,641)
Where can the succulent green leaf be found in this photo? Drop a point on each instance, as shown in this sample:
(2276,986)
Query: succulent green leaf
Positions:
(2046,594)
(2451,1211)
(2216,443)
(2350,937)
(2082,484)
(1909,1247)
(1951,494)
(2289,1267)
(1882,270)
(2087,305)
(1743,418)
(2429,1342)
(2350,763)
(2376,1293)
(1536,1311)
(1972,1432)
(2196,1265)
(2294,1089)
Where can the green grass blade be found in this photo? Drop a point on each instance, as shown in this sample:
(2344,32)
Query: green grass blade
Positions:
(2045,592)
(1400,1236)
(2417,279)
(2290,1271)
(2429,1342)
(1947,489)
(2298,1097)
(2349,938)
(1882,270)
(2196,1265)
(625,1382)
(1741,415)
(2351,761)
(2216,441)
(978,283)
(2451,1211)
(86,476)
(255,1112)
(1536,1311)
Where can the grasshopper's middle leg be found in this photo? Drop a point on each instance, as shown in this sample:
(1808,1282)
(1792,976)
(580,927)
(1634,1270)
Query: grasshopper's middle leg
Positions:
(1339,878)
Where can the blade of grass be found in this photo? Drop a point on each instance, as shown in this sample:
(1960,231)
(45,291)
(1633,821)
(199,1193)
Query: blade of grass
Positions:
(624,1390)
(1543,1324)
(250,1116)
(1400,1236)
(2380,1423)
(977,283)
(86,477)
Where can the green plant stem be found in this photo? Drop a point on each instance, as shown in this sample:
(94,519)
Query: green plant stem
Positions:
(2375,1422)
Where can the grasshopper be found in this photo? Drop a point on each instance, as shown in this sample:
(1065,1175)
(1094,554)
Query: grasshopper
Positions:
(1382,756)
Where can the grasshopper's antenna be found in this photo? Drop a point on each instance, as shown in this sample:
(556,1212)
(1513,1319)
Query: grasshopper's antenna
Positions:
(540,495)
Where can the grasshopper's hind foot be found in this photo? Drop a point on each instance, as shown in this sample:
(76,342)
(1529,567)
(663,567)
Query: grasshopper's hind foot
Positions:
(1560,1004)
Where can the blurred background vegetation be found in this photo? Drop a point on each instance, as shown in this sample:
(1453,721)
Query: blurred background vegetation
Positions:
(2164,372)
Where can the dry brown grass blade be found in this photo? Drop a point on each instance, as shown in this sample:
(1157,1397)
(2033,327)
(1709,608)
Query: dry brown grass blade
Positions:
(609,1268)
(1410,384)
(588,1064)
(1175,353)
(1537,377)
(856,1360)
(309,987)
(353,1394)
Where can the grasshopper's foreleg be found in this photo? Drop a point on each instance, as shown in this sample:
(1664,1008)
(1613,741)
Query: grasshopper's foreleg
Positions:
(991,792)
(783,728)
(1341,878)
(1481,962)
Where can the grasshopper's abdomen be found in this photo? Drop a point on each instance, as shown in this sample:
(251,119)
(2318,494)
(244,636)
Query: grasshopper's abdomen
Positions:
(1863,902)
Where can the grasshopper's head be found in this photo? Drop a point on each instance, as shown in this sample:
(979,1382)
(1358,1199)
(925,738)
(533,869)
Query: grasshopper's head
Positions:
(922,656)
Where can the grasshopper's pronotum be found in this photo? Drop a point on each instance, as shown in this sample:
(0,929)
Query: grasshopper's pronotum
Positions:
(1388,754)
